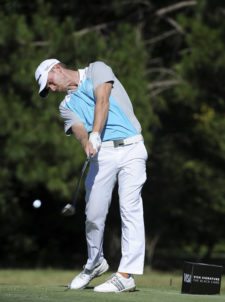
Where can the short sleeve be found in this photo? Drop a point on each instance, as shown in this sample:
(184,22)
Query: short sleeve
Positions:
(70,118)
(101,73)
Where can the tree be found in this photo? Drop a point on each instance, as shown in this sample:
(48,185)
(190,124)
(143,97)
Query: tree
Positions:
(189,148)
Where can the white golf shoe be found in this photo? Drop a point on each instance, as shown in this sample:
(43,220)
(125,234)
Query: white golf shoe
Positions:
(117,283)
(84,278)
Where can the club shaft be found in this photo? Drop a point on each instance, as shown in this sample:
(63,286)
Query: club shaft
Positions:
(74,201)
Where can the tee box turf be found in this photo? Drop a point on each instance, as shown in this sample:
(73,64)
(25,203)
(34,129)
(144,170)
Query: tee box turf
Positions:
(201,278)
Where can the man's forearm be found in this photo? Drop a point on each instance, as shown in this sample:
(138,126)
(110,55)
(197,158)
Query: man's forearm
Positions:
(81,134)
(102,94)
(101,113)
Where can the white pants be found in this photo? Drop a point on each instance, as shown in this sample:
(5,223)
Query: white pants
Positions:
(127,165)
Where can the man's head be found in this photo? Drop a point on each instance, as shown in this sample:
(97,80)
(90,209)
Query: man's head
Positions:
(54,76)
(41,75)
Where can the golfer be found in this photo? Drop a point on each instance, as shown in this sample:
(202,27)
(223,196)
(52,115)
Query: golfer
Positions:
(98,111)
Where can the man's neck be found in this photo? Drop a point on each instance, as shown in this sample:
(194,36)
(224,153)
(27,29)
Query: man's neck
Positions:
(74,79)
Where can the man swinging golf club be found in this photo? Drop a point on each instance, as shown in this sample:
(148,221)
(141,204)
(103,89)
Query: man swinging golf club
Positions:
(98,111)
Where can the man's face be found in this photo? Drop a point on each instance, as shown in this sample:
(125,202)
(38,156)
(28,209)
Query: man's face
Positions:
(57,80)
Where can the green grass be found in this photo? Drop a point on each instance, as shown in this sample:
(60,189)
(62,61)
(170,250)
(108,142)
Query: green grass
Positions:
(50,285)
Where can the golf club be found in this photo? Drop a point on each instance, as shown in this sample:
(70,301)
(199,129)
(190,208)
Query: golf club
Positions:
(70,208)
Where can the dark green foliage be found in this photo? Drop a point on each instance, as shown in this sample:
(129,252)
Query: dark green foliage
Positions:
(188,151)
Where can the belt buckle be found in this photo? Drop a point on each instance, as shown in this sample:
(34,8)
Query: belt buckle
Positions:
(118,143)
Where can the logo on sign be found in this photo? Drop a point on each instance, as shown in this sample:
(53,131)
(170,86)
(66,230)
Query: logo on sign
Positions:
(187,278)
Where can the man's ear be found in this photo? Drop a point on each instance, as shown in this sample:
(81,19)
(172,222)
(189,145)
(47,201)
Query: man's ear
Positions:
(57,67)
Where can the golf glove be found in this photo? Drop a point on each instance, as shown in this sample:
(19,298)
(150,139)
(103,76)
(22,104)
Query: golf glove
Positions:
(95,139)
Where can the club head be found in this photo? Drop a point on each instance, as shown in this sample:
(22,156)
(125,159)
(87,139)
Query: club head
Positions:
(68,210)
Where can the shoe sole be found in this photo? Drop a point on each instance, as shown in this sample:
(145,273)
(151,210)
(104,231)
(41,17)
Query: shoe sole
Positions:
(131,289)
(79,288)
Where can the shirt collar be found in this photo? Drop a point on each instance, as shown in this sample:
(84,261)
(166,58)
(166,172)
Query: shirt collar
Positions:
(81,79)
(81,75)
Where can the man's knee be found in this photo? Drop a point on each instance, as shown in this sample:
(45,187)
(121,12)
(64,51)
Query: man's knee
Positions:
(92,225)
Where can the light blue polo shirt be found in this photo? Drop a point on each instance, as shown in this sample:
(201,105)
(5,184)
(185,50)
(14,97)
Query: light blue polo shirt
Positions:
(79,105)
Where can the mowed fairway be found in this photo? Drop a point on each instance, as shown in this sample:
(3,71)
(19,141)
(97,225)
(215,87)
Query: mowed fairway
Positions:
(50,285)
